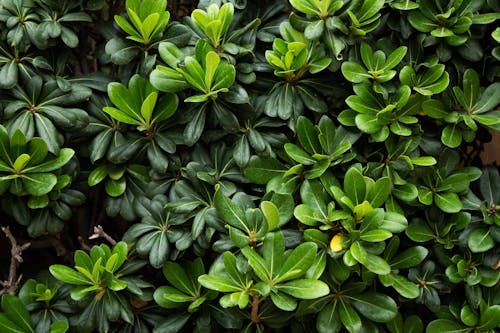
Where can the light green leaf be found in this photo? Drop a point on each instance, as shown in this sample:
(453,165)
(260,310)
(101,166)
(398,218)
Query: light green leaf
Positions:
(304,288)
(68,275)
(218,283)
(271,214)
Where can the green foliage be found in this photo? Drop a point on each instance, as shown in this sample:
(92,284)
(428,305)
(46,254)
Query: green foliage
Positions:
(258,166)
(102,280)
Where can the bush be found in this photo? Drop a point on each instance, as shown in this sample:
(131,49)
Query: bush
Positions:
(254,166)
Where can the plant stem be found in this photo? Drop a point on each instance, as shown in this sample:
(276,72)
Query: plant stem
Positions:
(255,309)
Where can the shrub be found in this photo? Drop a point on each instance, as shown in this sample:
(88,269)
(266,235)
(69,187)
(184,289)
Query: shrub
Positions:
(266,166)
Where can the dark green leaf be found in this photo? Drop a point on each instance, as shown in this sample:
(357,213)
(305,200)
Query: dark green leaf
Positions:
(445,326)
(230,212)
(409,257)
(375,306)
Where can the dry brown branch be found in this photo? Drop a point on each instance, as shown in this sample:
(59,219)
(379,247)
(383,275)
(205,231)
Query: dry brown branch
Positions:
(11,285)
(100,233)
(83,245)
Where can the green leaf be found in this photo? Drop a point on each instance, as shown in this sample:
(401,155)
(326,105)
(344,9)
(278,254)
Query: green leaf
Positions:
(218,283)
(402,285)
(349,317)
(38,184)
(9,75)
(328,320)
(271,214)
(17,313)
(173,295)
(395,58)
(452,136)
(423,160)
(8,326)
(480,240)
(354,72)
(468,316)
(64,156)
(354,185)
(212,61)
(261,170)
(230,212)
(284,301)
(376,235)
(257,263)
(168,80)
(448,202)
(304,288)
(60,326)
(307,135)
(297,262)
(419,231)
(305,7)
(488,100)
(68,275)
(21,162)
(176,276)
(194,129)
(313,195)
(377,265)
(115,188)
(445,326)
(359,253)
(314,30)
(298,154)
(272,249)
(379,192)
(490,185)
(172,323)
(409,257)
(306,215)
(375,306)
(490,318)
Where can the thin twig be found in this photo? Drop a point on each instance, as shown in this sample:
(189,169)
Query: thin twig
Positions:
(83,245)
(11,285)
(100,233)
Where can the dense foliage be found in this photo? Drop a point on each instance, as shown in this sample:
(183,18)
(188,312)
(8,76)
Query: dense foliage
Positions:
(264,166)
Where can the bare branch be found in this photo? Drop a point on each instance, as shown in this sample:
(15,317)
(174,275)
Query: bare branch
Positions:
(11,285)
(83,245)
(100,233)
